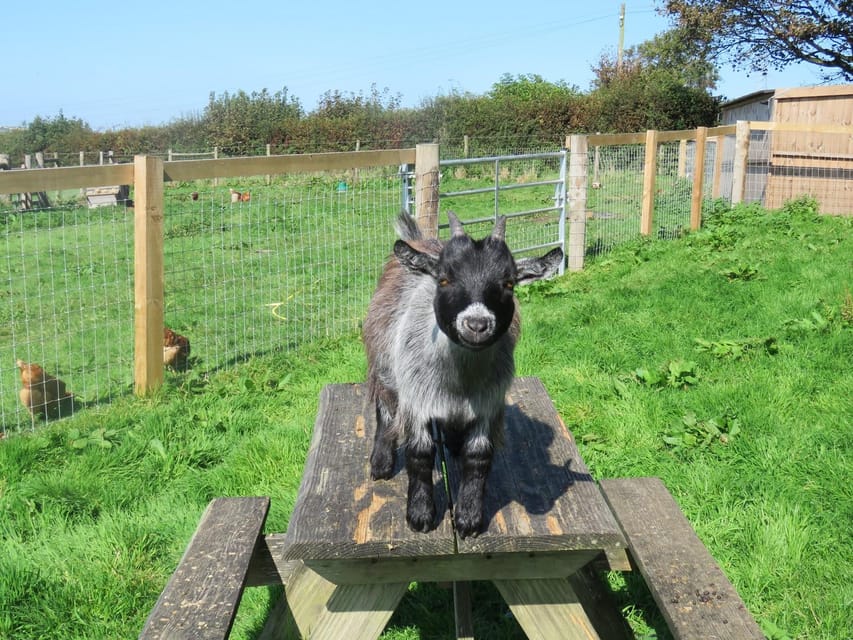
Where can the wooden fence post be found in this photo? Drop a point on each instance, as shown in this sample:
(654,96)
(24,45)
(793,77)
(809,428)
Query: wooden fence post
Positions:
(268,178)
(698,179)
(650,169)
(576,193)
(682,157)
(741,161)
(148,273)
(426,188)
(719,151)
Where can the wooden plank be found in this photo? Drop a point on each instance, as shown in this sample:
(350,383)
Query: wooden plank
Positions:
(59,178)
(201,598)
(427,174)
(340,512)
(306,595)
(697,194)
(598,603)
(613,139)
(486,566)
(724,130)
(540,495)
(319,609)
(576,193)
(183,170)
(740,162)
(269,567)
(719,152)
(694,595)
(148,274)
(547,609)
(814,92)
(675,136)
(650,169)
(798,127)
(462,610)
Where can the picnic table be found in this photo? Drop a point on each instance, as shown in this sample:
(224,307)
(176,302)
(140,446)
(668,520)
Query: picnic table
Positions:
(348,555)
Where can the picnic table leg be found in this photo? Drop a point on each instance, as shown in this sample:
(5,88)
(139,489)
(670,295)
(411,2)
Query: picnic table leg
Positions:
(321,609)
(597,601)
(547,608)
(462,610)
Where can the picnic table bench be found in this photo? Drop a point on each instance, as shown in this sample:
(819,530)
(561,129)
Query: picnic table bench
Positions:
(348,556)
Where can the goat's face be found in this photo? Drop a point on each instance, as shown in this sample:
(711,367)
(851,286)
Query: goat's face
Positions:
(474,301)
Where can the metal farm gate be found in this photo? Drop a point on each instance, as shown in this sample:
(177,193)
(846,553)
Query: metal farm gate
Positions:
(529,189)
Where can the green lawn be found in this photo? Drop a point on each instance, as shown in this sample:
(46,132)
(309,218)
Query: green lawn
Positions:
(719,361)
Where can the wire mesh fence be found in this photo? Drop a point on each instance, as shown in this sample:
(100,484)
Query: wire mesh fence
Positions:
(614,196)
(66,287)
(266,263)
(250,268)
(277,265)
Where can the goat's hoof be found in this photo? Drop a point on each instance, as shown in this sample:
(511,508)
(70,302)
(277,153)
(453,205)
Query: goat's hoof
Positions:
(468,526)
(381,466)
(421,521)
(383,474)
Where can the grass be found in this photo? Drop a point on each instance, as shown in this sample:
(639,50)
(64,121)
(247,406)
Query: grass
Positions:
(718,361)
(296,262)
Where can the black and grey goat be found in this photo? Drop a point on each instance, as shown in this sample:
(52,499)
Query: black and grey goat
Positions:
(440,334)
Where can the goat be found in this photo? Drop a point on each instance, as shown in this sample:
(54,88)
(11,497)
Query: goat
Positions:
(439,334)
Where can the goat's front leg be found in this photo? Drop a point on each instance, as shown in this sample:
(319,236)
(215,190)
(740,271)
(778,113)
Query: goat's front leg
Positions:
(476,459)
(385,440)
(420,461)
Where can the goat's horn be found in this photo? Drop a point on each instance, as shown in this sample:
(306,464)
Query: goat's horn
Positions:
(499,231)
(455,226)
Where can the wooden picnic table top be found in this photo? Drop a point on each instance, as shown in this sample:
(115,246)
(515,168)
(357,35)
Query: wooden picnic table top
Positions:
(540,497)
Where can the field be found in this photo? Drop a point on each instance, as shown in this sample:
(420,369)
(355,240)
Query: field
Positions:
(718,361)
(295,262)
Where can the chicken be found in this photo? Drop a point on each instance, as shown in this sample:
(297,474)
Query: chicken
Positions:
(176,350)
(237,196)
(42,394)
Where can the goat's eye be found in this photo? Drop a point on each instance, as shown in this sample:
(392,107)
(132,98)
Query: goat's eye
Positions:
(443,282)
(509,284)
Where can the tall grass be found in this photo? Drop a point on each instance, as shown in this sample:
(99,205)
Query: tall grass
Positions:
(719,362)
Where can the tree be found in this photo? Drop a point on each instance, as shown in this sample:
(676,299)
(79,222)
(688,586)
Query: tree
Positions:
(243,123)
(674,52)
(756,35)
(663,83)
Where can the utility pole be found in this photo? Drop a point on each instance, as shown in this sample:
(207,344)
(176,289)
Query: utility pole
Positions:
(621,38)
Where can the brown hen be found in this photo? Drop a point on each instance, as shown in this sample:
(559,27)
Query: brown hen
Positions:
(42,394)
(176,350)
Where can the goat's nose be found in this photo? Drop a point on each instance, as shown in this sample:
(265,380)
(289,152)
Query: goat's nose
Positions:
(477,324)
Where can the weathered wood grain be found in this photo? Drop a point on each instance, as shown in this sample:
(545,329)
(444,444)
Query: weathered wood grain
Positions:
(694,595)
(201,598)
(340,512)
(547,609)
(540,495)
(546,520)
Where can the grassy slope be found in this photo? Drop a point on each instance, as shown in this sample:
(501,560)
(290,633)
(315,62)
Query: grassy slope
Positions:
(95,510)
(775,504)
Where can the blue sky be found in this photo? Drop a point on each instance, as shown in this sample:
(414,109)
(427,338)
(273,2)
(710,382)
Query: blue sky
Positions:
(131,64)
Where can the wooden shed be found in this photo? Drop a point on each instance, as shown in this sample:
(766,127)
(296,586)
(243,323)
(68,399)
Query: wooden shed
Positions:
(813,162)
(810,161)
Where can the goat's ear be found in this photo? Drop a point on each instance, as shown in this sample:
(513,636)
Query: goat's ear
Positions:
(415,260)
(532,269)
